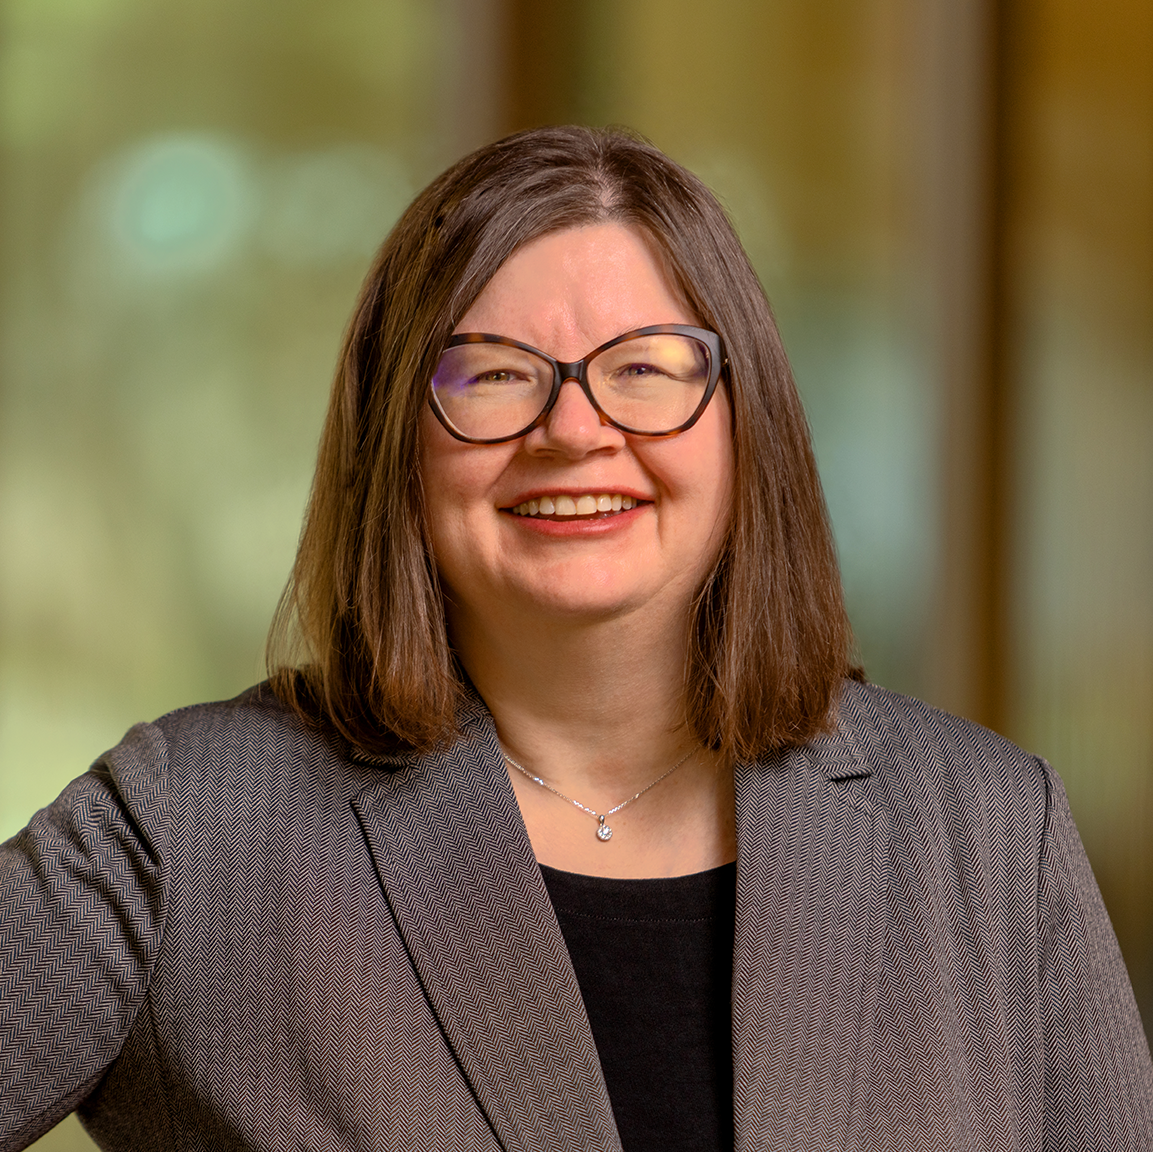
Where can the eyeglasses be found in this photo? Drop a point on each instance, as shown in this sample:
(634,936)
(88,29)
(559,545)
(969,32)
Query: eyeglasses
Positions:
(653,381)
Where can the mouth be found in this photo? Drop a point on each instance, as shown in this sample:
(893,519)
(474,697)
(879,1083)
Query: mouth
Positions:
(587,506)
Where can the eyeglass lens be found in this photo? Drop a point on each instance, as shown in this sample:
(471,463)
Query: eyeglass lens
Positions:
(649,384)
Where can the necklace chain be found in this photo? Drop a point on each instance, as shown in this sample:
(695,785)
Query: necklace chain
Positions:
(604,832)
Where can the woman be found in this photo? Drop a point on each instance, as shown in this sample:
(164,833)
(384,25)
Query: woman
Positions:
(571,644)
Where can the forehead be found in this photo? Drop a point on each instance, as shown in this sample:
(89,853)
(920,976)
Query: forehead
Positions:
(577,288)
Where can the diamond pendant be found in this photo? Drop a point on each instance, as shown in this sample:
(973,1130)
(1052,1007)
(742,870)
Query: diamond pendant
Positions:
(604,832)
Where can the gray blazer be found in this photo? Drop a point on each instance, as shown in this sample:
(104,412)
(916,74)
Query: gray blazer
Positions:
(234,934)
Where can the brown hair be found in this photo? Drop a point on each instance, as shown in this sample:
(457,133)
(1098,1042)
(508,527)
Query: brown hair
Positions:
(770,641)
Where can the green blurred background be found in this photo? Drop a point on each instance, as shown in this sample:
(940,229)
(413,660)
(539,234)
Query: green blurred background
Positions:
(950,203)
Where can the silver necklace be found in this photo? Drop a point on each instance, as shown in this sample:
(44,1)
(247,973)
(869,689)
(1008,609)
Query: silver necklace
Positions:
(604,832)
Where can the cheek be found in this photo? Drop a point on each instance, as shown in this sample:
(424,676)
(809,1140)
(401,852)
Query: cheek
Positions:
(444,481)
(458,481)
(711,458)
(450,470)
(714,480)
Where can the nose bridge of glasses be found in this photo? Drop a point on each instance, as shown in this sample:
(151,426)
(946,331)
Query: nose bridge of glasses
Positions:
(574,371)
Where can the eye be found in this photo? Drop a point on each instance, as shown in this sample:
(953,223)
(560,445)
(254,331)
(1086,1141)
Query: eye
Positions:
(635,368)
(501,375)
(638,370)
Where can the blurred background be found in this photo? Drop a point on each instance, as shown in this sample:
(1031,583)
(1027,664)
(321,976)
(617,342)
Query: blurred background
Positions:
(949,202)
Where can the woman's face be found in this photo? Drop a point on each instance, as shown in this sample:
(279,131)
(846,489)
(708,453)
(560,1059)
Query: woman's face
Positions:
(567,293)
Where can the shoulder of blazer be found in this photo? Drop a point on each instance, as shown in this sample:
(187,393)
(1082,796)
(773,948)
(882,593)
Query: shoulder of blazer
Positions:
(224,762)
(941,776)
(257,717)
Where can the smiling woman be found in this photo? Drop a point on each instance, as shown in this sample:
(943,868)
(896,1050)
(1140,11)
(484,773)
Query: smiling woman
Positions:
(566,561)
(558,249)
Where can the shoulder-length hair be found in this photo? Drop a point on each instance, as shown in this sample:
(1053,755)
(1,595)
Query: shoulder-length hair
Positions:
(359,641)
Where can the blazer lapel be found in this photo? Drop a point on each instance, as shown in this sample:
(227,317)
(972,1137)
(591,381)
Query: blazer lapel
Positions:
(459,873)
(810,900)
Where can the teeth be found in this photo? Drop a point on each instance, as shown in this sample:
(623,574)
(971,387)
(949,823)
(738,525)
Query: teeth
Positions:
(585,505)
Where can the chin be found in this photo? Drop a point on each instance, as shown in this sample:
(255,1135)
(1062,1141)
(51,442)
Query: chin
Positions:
(591,600)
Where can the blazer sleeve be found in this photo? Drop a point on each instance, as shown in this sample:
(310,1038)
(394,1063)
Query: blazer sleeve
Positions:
(81,921)
(1098,1077)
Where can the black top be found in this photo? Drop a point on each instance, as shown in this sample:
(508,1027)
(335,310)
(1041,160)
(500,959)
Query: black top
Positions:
(654,959)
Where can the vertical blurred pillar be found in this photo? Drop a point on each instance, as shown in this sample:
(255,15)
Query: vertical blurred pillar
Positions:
(994,393)
(966,82)
(1081,234)
(544,81)
(479,61)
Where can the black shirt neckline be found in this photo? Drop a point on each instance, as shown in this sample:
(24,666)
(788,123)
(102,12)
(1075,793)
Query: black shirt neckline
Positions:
(653,958)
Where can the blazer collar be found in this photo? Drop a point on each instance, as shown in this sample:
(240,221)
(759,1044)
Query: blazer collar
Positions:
(811,868)
(459,873)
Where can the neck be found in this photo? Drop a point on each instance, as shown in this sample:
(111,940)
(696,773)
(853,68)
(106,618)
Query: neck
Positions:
(597,711)
(591,704)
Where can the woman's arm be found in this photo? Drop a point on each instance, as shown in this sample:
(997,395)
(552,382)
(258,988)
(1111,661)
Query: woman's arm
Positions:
(1098,1077)
(81,917)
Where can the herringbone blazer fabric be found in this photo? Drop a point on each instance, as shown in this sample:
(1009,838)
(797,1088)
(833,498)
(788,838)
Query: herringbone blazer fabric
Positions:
(232,933)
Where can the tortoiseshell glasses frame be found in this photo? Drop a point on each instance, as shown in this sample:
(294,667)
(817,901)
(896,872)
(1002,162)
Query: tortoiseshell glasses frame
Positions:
(577,371)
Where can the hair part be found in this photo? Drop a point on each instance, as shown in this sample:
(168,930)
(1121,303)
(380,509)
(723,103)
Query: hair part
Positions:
(359,641)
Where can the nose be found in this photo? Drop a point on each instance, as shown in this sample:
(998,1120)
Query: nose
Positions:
(573,427)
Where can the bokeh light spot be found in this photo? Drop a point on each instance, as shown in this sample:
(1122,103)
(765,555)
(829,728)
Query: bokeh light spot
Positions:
(182,203)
